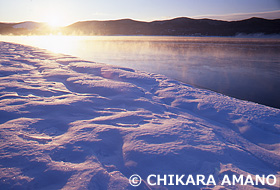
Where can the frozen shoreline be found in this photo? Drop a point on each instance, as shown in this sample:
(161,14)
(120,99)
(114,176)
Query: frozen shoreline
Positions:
(218,64)
(69,123)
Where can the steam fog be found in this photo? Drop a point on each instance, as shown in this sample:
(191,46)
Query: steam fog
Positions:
(245,68)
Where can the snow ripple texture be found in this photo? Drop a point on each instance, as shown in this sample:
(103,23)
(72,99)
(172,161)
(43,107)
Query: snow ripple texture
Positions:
(67,123)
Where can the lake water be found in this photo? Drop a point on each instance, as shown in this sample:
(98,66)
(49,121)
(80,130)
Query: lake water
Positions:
(239,67)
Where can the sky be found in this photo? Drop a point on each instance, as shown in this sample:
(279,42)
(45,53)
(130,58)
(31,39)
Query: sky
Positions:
(64,12)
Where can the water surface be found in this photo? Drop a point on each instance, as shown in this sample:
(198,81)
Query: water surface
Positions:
(244,68)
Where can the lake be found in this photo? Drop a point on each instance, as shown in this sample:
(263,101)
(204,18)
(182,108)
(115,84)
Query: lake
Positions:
(245,68)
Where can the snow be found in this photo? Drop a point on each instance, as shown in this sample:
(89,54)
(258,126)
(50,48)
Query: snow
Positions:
(68,123)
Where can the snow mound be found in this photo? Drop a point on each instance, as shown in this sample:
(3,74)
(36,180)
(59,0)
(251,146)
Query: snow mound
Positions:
(66,123)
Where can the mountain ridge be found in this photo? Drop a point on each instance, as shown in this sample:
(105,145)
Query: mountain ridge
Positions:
(179,26)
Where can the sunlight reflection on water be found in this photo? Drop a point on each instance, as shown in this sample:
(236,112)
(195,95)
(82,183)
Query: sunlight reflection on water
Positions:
(243,68)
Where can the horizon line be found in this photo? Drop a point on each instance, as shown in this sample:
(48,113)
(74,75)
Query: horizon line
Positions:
(269,15)
(126,18)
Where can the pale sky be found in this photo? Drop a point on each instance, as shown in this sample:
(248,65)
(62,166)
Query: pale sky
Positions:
(63,12)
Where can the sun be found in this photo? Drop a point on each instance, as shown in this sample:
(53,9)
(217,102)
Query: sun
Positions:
(54,23)
(54,20)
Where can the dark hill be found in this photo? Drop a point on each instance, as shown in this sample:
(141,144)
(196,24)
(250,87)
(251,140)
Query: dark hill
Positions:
(178,26)
(181,26)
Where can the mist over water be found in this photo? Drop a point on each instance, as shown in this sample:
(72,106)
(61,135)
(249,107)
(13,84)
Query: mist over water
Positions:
(245,68)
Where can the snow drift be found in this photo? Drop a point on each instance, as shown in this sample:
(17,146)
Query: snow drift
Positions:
(67,123)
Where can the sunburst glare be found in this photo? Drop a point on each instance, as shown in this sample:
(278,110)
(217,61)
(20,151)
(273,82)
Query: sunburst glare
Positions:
(55,20)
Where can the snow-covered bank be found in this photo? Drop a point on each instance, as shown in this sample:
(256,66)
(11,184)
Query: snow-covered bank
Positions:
(74,124)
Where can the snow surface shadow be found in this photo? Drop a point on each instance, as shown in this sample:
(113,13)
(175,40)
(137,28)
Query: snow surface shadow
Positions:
(34,175)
